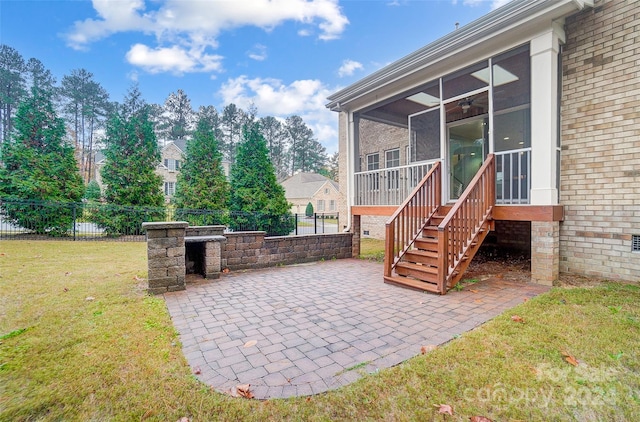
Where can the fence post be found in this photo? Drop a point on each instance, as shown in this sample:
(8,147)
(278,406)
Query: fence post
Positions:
(315,223)
(73,207)
(296,217)
(324,217)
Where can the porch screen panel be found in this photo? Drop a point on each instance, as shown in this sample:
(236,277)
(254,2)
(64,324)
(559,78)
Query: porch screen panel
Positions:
(466,80)
(425,136)
(511,79)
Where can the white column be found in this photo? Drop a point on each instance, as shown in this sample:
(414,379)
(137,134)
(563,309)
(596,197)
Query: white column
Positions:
(544,115)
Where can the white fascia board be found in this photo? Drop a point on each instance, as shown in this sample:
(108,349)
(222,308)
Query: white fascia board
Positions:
(511,17)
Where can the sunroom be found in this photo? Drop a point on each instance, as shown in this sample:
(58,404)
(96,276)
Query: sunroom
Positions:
(483,99)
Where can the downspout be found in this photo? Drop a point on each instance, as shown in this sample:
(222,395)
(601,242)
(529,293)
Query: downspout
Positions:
(349,138)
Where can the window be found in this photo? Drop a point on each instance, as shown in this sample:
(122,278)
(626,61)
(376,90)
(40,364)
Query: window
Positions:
(373,161)
(332,205)
(320,205)
(392,159)
(326,191)
(171,164)
(169,188)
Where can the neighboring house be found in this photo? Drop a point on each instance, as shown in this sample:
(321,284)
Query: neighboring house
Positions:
(169,166)
(304,188)
(172,157)
(543,95)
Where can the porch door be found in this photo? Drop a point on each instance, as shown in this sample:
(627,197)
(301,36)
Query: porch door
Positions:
(467,149)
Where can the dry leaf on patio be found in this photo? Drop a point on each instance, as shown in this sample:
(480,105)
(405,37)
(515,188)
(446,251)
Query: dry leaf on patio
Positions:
(197,370)
(517,318)
(473,291)
(244,391)
(570,359)
(499,275)
(250,343)
(479,419)
(426,349)
(226,270)
(445,409)
(478,301)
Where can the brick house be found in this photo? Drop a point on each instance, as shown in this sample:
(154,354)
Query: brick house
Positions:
(304,188)
(172,157)
(521,127)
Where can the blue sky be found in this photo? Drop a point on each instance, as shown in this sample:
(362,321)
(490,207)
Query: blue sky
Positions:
(284,56)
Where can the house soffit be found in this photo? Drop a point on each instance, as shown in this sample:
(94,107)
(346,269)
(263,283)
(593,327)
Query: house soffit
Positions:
(476,39)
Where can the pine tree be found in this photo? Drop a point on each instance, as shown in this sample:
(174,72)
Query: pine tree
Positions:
(38,165)
(257,200)
(131,156)
(202,184)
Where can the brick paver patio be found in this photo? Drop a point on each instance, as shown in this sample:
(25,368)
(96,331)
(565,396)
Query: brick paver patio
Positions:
(305,329)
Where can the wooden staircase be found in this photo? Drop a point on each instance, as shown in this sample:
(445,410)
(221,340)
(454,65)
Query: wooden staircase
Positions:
(429,246)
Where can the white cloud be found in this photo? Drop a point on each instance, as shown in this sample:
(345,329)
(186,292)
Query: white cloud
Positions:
(305,98)
(194,25)
(258,52)
(349,67)
(172,59)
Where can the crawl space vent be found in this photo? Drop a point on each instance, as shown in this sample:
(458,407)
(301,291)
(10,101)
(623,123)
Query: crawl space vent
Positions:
(635,243)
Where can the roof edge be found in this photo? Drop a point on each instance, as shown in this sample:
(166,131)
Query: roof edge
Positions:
(492,22)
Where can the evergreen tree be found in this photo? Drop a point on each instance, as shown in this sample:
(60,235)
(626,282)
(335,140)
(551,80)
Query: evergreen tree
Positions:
(176,120)
(306,153)
(309,210)
(38,165)
(231,122)
(93,193)
(12,87)
(86,105)
(257,200)
(131,157)
(202,184)
(276,137)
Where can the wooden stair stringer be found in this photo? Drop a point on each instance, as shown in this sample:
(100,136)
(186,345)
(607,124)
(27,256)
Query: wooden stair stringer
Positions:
(458,271)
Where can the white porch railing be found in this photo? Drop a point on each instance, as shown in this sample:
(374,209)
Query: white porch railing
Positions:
(390,186)
(513,176)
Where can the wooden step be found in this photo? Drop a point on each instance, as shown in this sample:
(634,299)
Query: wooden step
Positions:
(412,284)
(430,231)
(421,256)
(427,244)
(420,272)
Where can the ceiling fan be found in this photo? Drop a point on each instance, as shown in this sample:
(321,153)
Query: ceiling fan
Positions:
(465,104)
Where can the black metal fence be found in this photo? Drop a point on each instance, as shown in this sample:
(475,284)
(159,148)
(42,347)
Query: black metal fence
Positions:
(21,219)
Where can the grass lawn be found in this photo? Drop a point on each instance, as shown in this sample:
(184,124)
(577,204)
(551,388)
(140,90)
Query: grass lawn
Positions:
(80,341)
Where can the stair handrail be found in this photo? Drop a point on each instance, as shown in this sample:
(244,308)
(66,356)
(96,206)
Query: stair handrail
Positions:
(460,226)
(406,224)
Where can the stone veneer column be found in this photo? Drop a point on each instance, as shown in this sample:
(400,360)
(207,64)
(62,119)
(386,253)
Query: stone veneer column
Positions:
(213,257)
(166,256)
(545,252)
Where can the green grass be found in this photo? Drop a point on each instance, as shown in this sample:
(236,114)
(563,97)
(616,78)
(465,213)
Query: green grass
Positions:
(372,249)
(65,356)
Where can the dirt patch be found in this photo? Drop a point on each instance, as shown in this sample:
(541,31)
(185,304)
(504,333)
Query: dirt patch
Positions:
(516,266)
(499,263)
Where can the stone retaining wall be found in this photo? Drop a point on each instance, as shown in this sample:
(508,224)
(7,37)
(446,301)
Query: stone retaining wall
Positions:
(247,250)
